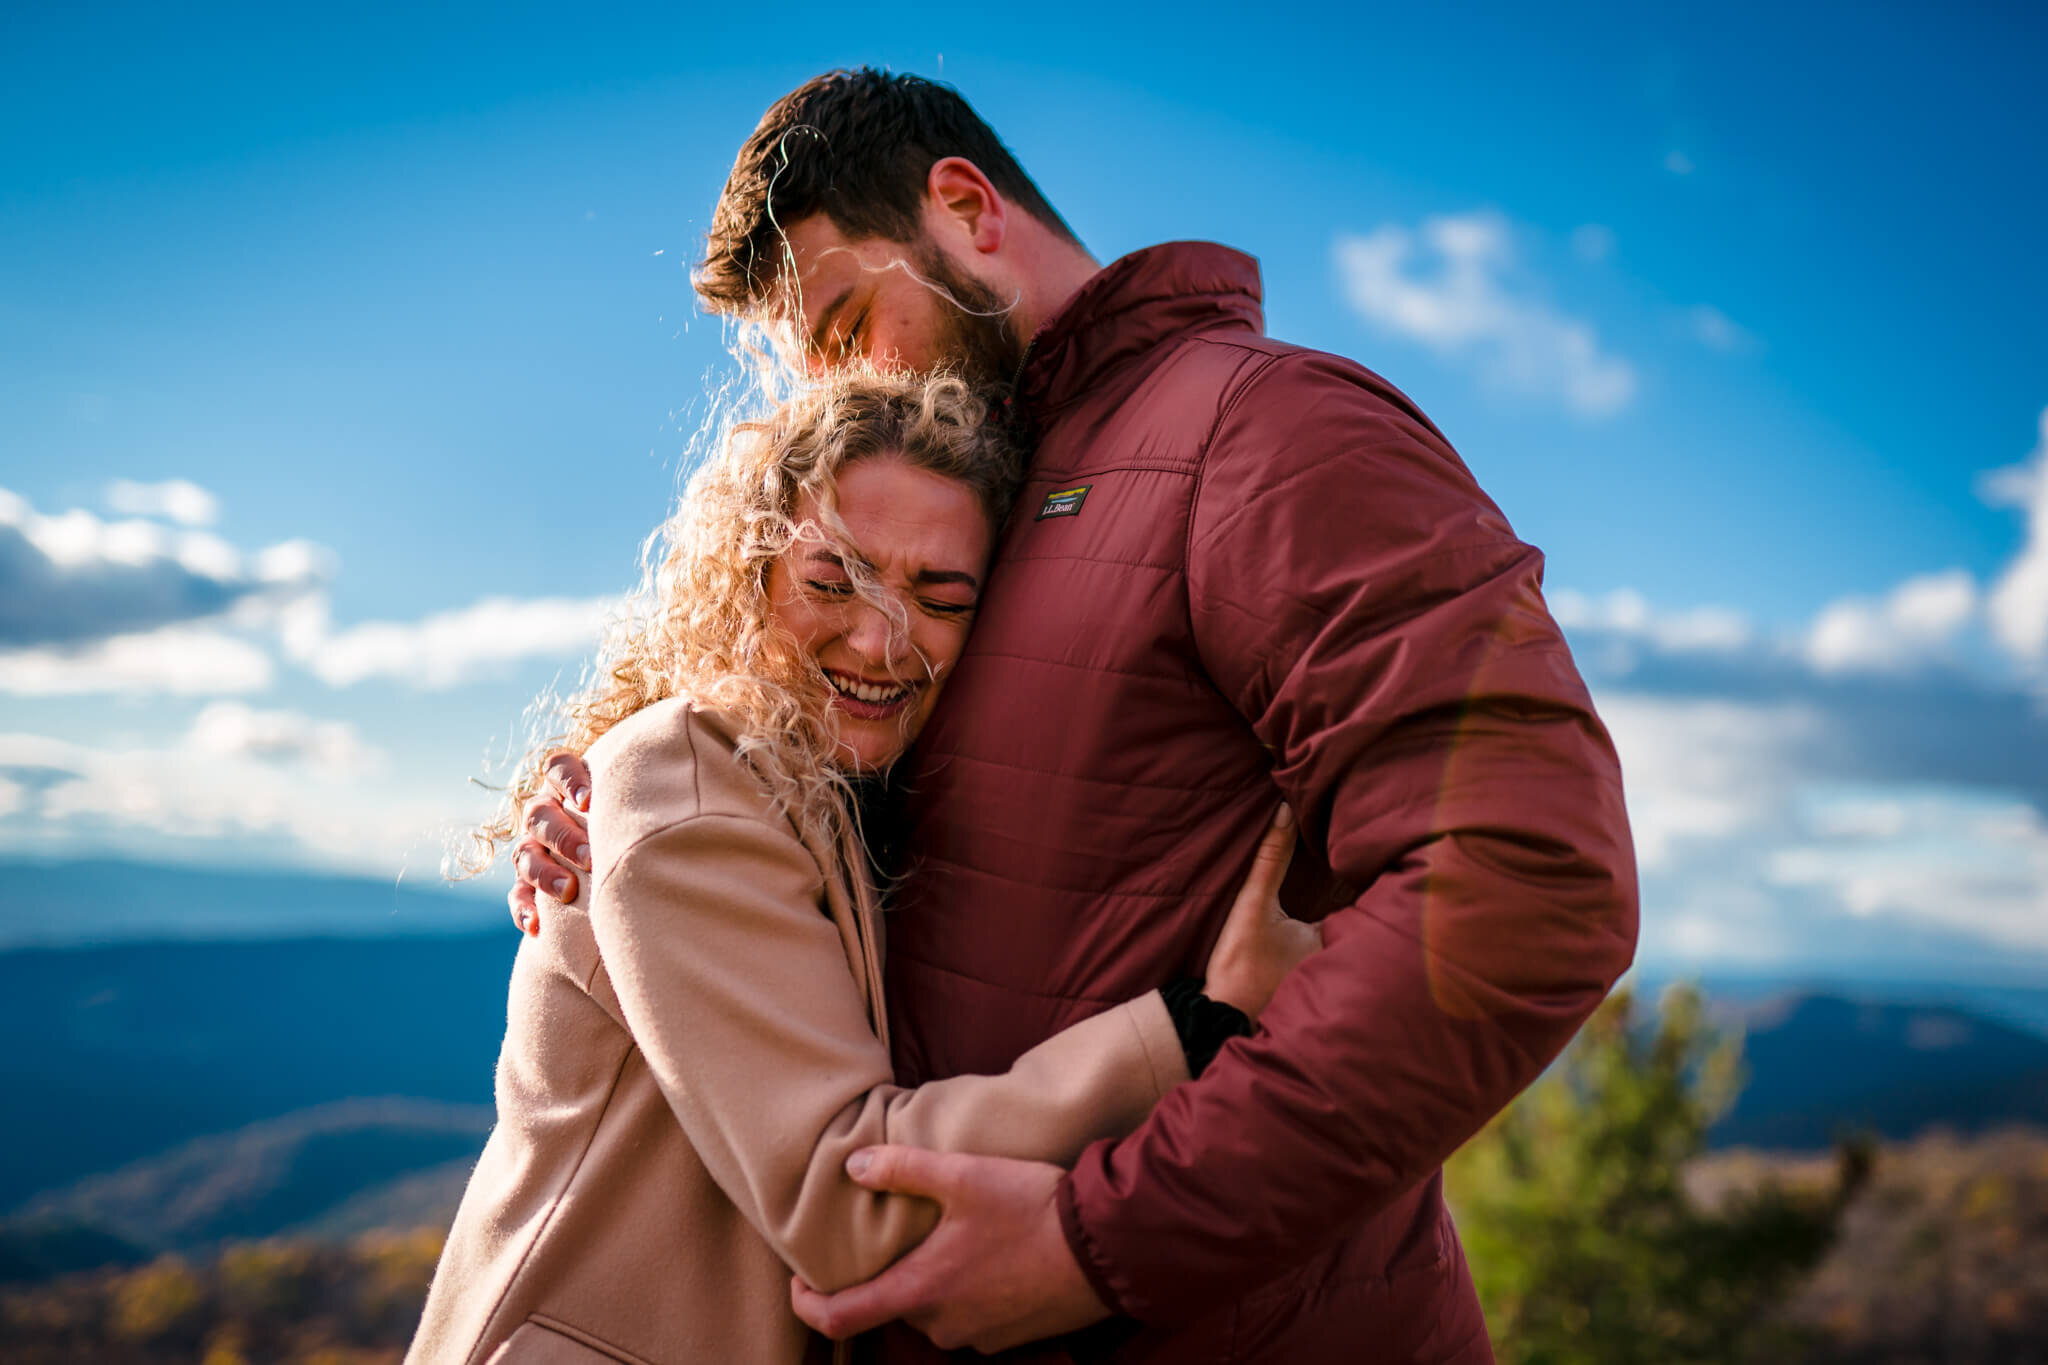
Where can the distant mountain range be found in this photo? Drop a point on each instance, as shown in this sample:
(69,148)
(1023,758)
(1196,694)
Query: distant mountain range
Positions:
(333,1171)
(1821,1066)
(61,904)
(167,1095)
(125,1052)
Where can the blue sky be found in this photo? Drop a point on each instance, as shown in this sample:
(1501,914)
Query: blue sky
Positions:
(1733,312)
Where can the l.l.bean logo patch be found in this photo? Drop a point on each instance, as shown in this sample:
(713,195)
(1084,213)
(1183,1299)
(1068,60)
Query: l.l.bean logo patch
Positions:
(1065,503)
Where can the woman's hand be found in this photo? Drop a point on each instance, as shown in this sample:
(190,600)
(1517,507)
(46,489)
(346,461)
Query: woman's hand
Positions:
(556,842)
(1260,944)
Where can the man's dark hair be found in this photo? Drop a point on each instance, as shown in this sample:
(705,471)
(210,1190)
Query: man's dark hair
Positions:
(856,146)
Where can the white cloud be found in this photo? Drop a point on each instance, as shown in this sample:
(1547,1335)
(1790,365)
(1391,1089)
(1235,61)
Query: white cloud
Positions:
(1864,818)
(2014,485)
(1453,285)
(1728,921)
(447,648)
(180,660)
(292,563)
(1757,848)
(2018,602)
(232,729)
(1972,861)
(1910,626)
(1916,624)
(1627,612)
(71,579)
(178,500)
(1874,781)
(1703,771)
(347,820)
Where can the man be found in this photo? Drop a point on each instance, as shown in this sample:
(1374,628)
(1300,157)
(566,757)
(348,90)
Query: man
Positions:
(1237,566)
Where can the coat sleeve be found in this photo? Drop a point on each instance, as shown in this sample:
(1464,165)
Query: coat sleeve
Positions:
(736,988)
(1375,620)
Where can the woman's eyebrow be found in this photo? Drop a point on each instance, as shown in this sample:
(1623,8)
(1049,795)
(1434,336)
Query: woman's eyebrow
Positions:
(947,576)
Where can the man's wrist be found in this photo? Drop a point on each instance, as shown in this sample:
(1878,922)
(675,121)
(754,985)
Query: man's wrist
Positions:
(1067,1203)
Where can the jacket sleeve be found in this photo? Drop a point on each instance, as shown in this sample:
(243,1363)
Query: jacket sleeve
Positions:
(736,988)
(1375,620)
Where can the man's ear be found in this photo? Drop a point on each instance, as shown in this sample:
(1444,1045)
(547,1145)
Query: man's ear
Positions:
(961,203)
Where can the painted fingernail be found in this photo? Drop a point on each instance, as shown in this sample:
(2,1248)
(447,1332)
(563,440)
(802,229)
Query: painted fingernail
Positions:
(561,887)
(583,855)
(857,1164)
(582,797)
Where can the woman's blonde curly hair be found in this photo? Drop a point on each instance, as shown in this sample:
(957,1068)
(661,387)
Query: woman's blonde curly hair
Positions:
(709,634)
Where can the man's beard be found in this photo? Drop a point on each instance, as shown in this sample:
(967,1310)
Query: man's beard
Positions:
(975,336)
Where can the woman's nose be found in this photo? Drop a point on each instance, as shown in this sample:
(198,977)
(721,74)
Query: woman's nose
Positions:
(873,636)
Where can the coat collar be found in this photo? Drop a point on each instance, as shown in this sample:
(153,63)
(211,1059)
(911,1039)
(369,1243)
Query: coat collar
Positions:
(1130,306)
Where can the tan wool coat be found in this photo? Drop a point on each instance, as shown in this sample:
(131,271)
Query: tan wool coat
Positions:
(693,1049)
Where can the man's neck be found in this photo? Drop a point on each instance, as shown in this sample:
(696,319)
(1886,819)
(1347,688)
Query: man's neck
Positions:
(1053,271)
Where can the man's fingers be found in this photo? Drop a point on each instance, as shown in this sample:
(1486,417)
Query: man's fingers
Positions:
(569,776)
(895,1293)
(908,1170)
(539,871)
(813,1308)
(558,832)
(1269,864)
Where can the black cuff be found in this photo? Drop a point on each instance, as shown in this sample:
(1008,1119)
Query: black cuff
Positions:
(1204,1025)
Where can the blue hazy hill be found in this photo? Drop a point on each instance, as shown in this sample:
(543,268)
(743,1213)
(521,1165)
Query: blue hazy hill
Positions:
(123,1051)
(1821,1066)
(160,1093)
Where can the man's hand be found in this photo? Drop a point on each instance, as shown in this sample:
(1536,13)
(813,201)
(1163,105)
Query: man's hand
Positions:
(996,1272)
(555,844)
(1260,943)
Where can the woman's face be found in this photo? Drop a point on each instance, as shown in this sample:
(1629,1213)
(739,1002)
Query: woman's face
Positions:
(926,542)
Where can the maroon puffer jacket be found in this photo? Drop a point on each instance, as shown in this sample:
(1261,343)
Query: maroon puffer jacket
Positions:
(1243,570)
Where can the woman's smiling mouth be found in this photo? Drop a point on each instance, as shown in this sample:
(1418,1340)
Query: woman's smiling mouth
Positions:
(867,700)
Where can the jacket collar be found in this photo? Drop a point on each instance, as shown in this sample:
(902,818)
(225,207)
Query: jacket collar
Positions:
(1130,306)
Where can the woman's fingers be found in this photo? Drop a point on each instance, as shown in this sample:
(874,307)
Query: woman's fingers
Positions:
(539,872)
(520,900)
(569,777)
(556,842)
(557,831)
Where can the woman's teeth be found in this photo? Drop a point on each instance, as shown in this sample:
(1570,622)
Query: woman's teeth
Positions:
(872,693)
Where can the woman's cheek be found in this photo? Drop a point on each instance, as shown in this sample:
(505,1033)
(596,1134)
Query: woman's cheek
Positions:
(945,650)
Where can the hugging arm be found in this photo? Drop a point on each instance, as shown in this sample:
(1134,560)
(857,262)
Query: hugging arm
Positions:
(737,990)
(1373,617)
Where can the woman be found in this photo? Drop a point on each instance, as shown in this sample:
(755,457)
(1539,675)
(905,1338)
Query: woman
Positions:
(697,1043)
